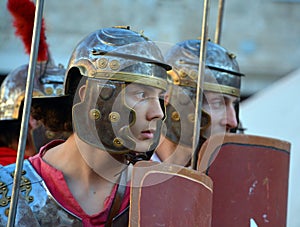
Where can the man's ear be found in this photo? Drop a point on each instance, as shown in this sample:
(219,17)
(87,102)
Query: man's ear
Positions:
(33,123)
(81,92)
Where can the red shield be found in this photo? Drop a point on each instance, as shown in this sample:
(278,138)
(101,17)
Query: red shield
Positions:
(169,195)
(250,177)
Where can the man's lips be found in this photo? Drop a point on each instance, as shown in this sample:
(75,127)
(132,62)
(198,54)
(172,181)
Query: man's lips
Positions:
(148,134)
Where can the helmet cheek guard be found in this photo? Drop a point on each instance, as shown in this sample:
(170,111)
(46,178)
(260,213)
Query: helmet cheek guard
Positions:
(103,119)
(181,115)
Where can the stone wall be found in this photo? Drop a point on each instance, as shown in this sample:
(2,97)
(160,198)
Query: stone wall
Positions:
(263,34)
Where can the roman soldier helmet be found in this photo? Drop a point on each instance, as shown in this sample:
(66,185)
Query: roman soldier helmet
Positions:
(222,75)
(108,59)
(48,81)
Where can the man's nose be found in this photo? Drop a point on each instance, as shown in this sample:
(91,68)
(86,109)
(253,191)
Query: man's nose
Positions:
(155,109)
(231,118)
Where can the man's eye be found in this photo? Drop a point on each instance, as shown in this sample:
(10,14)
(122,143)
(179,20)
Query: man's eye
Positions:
(216,104)
(140,95)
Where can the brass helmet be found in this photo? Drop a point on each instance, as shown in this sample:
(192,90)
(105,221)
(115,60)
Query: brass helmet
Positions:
(107,60)
(222,74)
(48,81)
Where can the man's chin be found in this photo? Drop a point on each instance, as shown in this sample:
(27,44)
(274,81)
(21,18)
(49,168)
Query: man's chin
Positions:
(144,146)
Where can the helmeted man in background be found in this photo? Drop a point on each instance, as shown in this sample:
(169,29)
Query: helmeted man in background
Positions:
(221,94)
(48,82)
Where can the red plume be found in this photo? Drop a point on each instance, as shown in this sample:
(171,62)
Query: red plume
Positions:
(23,12)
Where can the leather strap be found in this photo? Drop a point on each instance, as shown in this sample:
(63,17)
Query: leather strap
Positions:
(115,208)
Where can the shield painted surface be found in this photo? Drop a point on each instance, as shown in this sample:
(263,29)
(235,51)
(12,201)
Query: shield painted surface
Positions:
(169,195)
(250,177)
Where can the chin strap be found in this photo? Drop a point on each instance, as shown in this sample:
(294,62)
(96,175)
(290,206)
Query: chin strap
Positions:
(133,157)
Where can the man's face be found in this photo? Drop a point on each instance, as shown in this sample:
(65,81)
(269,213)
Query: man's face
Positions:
(221,108)
(145,100)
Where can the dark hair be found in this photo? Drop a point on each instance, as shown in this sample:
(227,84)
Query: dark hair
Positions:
(9,132)
(55,113)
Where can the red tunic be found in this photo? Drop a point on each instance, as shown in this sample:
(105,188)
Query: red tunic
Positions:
(59,189)
(8,156)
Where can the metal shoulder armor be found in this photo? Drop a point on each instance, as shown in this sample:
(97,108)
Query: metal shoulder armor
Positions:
(36,206)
